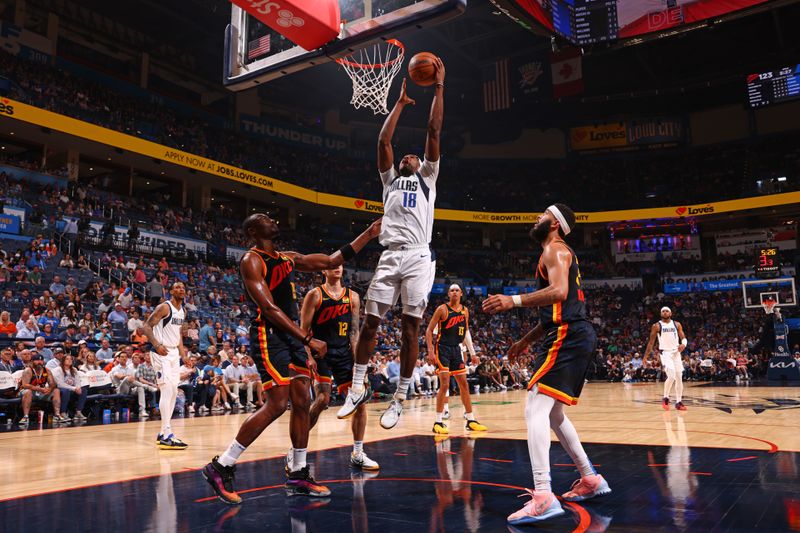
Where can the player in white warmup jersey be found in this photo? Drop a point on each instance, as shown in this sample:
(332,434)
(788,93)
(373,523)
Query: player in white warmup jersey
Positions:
(163,330)
(407,268)
(671,343)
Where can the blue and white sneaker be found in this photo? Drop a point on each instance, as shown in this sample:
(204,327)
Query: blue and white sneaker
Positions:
(170,442)
(542,506)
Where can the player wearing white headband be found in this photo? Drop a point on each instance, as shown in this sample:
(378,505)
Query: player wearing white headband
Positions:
(671,343)
(560,365)
(452,322)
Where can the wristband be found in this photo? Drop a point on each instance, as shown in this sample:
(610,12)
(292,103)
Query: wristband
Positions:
(440,84)
(347,252)
(517,299)
(307,338)
(685,341)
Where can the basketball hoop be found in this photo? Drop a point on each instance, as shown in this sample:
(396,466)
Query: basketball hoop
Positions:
(769,306)
(372,71)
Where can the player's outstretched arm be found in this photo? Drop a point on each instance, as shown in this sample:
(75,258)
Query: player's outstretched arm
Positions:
(432,152)
(317,262)
(650,342)
(252,270)
(385,152)
(519,347)
(158,314)
(557,260)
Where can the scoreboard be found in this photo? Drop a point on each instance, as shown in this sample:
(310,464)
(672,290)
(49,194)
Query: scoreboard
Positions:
(767,264)
(773,87)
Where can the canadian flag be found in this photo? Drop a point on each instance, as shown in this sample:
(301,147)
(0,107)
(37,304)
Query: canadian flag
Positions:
(567,72)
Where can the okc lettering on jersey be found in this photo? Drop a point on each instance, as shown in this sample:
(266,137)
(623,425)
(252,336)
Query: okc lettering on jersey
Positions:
(279,274)
(403,184)
(330,313)
(454,320)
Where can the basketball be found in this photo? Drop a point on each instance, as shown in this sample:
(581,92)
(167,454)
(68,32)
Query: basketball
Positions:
(422,69)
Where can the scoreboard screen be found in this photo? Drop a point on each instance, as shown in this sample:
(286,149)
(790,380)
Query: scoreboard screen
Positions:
(768,264)
(773,87)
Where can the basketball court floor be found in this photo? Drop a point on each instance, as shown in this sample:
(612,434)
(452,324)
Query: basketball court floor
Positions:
(729,463)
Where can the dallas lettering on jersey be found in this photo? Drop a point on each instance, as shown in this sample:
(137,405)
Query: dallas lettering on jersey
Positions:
(404,185)
(176,321)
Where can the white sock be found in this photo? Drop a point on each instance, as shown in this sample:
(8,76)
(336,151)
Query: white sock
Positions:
(299,458)
(470,416)
(537,415)
(232,454)
(358,447)
(359,373)
(568,437)
(402,388)
(166,405)
(439,417)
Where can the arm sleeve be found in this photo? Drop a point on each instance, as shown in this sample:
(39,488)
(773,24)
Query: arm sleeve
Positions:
(388,176)
(468,343)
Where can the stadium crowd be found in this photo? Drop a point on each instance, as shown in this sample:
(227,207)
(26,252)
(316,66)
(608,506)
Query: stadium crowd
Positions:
(699,175)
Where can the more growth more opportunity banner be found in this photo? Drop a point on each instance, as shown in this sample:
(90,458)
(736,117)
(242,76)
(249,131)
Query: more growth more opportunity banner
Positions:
(11,109)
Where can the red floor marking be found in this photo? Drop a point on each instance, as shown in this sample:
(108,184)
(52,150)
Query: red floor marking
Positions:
(402,454)
(670,464)
(495,460)
(702,473)
(742,458)
(583,515)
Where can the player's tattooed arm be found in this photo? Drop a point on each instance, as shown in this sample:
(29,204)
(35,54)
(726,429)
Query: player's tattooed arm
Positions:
(317,262)
(650,342)
(158,314)
(557,260)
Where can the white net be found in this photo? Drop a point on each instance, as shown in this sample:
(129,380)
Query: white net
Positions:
(372,71)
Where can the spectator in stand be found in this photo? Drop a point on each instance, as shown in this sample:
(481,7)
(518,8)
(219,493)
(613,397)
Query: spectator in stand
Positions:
(118,316)
(91,363)
(7,327)
(68,382)
(146,377)
(38,384)
(8,363)
(207,335)
(49,317)
(234,380)
(155,291)
(252,377)
(103,334)
(40,348)
(55,362)
(66,262)
(124,378)
(134,322)
(35,276)
(188,378)
(57,287)
(82,263)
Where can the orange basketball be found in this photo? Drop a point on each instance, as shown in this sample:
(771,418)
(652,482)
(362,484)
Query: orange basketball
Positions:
(422,69)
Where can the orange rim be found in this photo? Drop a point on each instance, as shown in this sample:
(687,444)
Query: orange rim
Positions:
(356,64)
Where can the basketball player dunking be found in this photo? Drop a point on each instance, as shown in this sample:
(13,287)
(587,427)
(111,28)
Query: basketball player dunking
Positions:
(671,343)
(164,332)
(331,313)
(560,365)
(408,267)
(452,320)
(278,347)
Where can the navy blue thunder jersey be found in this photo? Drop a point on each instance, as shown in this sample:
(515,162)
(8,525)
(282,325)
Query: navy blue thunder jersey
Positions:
(279,277)
(570,310)
(453,328)
(333,318)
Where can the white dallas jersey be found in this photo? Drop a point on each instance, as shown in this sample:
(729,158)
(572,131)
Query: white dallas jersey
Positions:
(168,329)
(668,336)
(408,205)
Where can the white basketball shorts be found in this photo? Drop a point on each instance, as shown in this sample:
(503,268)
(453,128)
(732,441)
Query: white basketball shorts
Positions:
(167,367)
(672,359)
(404,272)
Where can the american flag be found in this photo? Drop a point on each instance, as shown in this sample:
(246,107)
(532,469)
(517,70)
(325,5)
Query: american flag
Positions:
(496,89)
(258,47)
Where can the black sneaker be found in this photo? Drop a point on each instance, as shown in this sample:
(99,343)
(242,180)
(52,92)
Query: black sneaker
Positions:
(170,442)
(221,480)
(300,483)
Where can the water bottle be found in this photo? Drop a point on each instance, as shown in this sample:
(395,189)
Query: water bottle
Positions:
(126,414)
(106,416)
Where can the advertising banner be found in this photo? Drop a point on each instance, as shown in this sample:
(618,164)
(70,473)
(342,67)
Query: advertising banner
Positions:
(9,224)
(291,134)
(151,239)
(601,136)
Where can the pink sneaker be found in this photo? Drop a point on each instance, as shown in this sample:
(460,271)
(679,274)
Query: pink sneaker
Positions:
(542,505)
(587,487)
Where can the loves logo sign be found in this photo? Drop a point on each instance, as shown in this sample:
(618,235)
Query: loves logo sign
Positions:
(359,203)
(5,107)
(598,137)
(695,210)
(681,211)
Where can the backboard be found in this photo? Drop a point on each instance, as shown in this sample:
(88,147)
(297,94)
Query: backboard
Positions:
(780,290)
(254,53)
